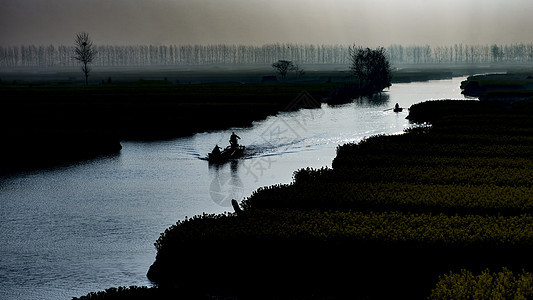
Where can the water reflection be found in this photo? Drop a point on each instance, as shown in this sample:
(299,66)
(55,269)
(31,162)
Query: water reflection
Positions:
(379,99)
(226,183)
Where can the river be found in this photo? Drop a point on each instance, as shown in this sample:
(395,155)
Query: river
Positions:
(67,231)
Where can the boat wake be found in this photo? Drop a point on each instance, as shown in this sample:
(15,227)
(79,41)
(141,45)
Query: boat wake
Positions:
(268,149)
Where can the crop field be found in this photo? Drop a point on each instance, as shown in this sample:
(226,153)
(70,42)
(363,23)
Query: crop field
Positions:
(356,227)
(503,284)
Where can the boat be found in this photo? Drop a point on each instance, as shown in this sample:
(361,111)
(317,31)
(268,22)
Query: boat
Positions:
(396,108)
(227,154)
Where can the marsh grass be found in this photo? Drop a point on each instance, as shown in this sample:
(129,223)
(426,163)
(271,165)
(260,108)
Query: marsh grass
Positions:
(503,284)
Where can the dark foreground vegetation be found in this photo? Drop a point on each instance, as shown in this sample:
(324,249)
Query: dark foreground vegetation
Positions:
(486,285)
(463,284)
(514,86)
(392,215)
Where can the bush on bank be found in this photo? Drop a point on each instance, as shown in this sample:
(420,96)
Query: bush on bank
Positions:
(487,285)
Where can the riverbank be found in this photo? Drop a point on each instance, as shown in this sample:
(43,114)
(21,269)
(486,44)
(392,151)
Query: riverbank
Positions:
(509,87)
(391,215)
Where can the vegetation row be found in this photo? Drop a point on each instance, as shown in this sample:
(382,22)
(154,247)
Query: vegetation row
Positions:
(351,227)
(396,196)
(503,284)
(439,174)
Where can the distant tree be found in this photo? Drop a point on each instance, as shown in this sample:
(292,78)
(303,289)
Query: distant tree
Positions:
(84,53)
(298,70)
(282,67)
(496,52)
(371,68)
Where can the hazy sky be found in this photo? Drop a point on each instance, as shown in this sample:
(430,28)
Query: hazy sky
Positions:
(365,22)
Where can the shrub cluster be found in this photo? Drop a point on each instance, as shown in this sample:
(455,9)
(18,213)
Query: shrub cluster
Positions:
(487,285)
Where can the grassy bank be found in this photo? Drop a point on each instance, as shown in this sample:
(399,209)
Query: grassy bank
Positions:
(392,215)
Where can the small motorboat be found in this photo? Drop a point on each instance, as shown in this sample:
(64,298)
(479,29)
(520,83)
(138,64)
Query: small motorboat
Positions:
(230,152)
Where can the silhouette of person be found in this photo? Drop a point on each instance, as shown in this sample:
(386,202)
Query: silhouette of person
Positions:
(397,106)
(233,140)
(216,150)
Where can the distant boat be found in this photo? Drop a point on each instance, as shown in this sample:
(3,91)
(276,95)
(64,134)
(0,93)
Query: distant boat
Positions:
(395,109)
(227,154)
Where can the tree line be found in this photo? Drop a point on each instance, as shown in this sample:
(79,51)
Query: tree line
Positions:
(146,55)
(461,54)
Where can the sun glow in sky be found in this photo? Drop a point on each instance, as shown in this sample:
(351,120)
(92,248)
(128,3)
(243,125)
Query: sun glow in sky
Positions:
(366,22)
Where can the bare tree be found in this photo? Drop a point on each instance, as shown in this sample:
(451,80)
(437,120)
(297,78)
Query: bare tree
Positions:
(282,67)
(84,53)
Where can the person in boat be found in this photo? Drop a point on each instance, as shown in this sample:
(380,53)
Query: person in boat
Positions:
(396,107)
(216,151)
(233,140)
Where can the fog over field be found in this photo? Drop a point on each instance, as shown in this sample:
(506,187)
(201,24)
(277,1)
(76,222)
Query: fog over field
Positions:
(256,22)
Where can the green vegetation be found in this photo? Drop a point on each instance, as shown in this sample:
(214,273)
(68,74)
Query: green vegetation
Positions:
(351,227)
(399,196)
(487,285)
(392,212)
